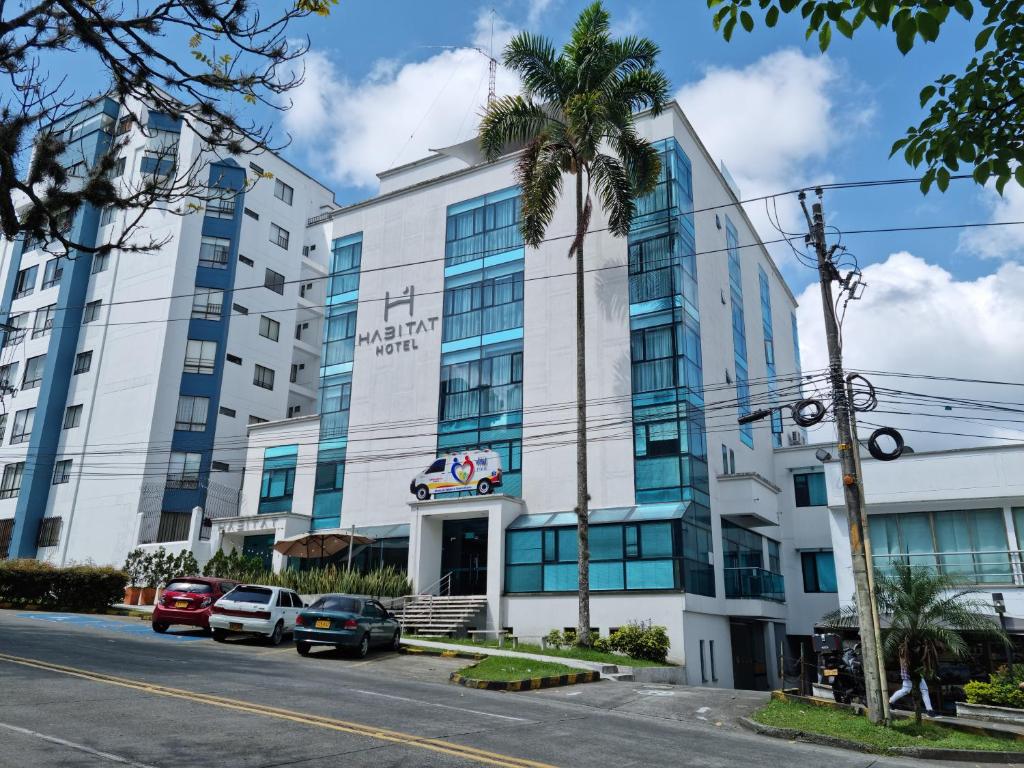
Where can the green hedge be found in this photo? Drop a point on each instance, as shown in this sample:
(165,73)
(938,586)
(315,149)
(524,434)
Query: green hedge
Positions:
(1002,690)
(76,588)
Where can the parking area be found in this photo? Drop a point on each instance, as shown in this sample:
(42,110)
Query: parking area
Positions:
(395,665)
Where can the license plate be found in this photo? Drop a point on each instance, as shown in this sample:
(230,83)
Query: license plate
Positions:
(181,604)
(235,626)
(830,672)
(323,624)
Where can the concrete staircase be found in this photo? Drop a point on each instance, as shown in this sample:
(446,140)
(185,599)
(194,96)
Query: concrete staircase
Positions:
(440,614)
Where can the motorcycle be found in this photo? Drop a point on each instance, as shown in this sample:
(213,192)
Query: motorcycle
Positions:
(842,669)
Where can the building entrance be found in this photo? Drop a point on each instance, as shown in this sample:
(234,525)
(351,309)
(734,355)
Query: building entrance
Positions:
(749,663)
(464,555)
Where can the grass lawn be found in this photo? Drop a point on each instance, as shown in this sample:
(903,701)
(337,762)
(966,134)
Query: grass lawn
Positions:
(507,669)
(903,733)
(584,654)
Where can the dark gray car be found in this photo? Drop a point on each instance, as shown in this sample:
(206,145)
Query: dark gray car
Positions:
(348,623)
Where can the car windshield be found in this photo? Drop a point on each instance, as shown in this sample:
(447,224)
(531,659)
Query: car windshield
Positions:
(197,587)
(334,603)
(250,595)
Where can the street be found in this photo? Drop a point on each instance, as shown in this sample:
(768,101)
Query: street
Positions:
(96,691)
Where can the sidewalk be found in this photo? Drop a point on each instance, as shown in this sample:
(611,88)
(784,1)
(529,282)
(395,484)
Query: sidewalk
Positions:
(595,666)
(144,609)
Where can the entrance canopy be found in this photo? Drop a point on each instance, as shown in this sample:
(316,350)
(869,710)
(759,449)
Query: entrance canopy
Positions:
(637,514)
(323,544)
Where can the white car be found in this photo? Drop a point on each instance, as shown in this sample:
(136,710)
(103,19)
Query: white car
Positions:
(251,609)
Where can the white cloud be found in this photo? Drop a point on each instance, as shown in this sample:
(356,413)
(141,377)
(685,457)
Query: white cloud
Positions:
(353,130)
(535,10)
(628,23)
(998,242)
(774,123)
(916,317)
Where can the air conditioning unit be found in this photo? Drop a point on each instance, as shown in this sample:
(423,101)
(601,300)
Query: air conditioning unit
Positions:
(796,438)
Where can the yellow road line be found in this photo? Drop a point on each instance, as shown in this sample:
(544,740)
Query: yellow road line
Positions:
(344,726)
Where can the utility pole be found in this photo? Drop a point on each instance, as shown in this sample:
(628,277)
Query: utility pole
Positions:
(827,272)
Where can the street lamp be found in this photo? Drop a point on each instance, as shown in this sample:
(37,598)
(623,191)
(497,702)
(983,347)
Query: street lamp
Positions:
(999,604)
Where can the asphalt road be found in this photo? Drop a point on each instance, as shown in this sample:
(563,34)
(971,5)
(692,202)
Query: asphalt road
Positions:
(105,692)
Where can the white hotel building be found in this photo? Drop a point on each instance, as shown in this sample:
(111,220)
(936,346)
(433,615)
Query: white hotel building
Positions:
(445,333)
(282,365)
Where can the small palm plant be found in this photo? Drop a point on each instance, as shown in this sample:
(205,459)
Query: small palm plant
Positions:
(927,612)
(575,116)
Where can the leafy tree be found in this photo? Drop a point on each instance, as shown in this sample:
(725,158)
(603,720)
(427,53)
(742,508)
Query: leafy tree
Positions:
(974,118)
(575,117)
(928,613)
(189,59)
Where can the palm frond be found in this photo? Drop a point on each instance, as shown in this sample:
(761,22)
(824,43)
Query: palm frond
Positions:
(534,58)
(640,89)
(511,119)
(844,617)
(640,159)
(539,175)
(633,53)
(615,190)
(593,23)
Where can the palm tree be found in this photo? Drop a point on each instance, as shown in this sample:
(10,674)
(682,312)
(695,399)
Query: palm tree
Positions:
(575,117)
(927,612)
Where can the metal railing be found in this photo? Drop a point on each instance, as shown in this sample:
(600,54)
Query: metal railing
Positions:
(1004,566)
(758,583)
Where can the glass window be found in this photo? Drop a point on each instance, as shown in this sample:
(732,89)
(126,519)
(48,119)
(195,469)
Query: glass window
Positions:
(25,283)
(819,569)
(33,375)
(192,413)
(214,252)
(72,416)
(274,281)
(62,472)
(336,603)
(92,311)
(606,542)
(83,362)
(523,547)
(220,203)
(269,328)
(183,470)
(207,303)
(19,325)
(809,489)
(49,532)
(260,595)
(44,321)
(10,483)
(263,377)
(279,236)
(22,426)
(283,192)
(100,262)
(3,425)
(52,273)
(200,356)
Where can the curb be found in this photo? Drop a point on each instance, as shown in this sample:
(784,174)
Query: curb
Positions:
(418,650)
(36,608)
(530,684)
(923,753)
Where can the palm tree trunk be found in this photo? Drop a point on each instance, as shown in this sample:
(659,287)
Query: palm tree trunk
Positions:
(915,681)
(582,496)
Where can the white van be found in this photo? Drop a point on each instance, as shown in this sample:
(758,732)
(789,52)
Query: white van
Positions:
(463,471)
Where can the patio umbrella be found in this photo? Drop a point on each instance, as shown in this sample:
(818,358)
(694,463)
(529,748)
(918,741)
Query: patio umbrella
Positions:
(320,545)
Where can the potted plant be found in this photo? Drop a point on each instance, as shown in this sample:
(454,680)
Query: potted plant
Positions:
(134,566)
(165,566)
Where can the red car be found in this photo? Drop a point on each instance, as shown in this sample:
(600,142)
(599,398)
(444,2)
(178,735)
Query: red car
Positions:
(188,600)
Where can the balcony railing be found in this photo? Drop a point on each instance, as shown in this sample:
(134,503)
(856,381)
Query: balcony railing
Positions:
(991,567)
(756,583)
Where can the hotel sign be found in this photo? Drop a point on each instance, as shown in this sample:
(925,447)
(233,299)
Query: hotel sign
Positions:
(398,336)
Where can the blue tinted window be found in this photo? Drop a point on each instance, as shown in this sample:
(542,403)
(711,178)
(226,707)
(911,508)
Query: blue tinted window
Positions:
(809,489)
(819,570)
(523,546)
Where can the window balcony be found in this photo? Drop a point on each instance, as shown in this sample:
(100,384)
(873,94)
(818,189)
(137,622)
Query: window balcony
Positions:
(755,583)
(993,567)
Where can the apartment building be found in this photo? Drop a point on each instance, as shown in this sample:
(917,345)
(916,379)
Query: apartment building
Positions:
(131,378)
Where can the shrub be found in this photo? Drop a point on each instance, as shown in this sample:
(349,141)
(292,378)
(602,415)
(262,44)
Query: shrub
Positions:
(76,588)
(641,640)
(1002,690)
(185,564)
(135,567)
